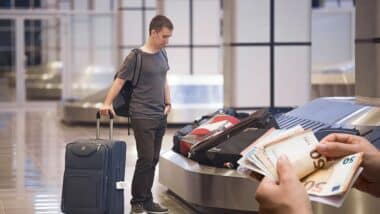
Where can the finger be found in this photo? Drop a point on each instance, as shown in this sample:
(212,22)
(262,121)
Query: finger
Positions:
(101,111)
(285,170)
(113,112)
(104,112)
(339,137)
(337,149)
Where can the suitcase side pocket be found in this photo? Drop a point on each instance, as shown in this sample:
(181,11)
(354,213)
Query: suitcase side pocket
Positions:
(83,191)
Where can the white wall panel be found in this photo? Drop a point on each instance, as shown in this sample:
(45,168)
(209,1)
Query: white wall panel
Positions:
(206,61)
(252,21)
(206,22)
(131,3)
(292,21)
(103,58)
(102,5)
(132,32)
(80,61)
(102,31)
(64,5)
(292,75)
(148,17)
(178,60)
(80,5)
(251,76)
(178,12)
(81,31)
(333,37)
(150,3)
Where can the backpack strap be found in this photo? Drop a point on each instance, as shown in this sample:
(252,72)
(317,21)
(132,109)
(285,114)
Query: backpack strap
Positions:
(135,77)
(165,54)
(137,70)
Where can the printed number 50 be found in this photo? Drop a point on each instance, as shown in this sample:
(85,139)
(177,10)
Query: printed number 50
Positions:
(348,160)
(318,163)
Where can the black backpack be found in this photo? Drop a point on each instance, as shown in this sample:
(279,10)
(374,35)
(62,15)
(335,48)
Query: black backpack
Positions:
(121,101)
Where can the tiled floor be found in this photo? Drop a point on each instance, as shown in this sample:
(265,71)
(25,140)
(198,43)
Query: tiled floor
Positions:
(32,143)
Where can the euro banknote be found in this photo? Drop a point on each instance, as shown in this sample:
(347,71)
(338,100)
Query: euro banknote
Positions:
(322,178)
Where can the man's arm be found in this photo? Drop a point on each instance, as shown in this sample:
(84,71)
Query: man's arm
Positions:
(113,91)
(168,104)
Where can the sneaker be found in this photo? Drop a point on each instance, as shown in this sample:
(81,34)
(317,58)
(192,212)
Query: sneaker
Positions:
(137,209)
(155,208)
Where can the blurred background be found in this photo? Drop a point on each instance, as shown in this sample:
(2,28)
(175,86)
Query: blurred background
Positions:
(58,59)
(67,51)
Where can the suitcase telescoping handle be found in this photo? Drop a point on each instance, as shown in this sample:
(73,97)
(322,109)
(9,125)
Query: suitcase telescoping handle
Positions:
(98,124)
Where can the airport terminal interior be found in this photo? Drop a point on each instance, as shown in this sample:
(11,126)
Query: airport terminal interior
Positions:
(311,62)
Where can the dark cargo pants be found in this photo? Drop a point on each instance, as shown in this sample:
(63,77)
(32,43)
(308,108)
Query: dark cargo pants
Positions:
(148,135)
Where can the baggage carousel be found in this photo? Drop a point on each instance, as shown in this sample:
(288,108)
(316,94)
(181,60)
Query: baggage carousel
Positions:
(208,188)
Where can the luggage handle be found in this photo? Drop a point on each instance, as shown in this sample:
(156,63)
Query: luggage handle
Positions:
(98,124)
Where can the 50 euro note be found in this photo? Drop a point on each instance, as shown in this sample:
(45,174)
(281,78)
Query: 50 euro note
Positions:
(299,147)
(251,155)
(300,150)
(321,178)
(325,181)
(333,182)
(250,163)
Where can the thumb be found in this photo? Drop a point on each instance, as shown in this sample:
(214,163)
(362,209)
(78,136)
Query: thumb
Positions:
(265,190)
(285,170)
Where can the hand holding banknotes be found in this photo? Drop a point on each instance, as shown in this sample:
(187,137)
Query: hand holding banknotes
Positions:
(326,180)
(288,195)
(339,145)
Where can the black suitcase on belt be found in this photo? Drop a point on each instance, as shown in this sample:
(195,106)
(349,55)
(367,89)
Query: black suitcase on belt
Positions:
(92,168)
(261,119)
(226,154)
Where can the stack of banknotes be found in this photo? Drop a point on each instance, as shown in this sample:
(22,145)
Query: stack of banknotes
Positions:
(326,181)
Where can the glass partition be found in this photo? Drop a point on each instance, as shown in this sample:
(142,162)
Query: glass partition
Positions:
(7,60)
(43,59)
(333,51)
(92,54)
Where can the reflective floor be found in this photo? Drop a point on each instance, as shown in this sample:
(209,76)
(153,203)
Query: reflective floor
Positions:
(32,143)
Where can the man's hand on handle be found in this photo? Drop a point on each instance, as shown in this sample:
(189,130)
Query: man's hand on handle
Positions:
(104,110)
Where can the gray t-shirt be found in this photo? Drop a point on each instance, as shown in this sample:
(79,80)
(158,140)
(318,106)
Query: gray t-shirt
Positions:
(148,98)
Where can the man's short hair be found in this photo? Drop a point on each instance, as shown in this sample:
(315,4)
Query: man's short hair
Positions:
(158,22)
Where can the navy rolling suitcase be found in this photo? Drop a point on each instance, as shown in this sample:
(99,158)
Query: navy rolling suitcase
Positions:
(92,169)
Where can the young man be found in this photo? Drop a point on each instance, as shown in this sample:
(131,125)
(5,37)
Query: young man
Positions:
(149,107)
(271,195)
